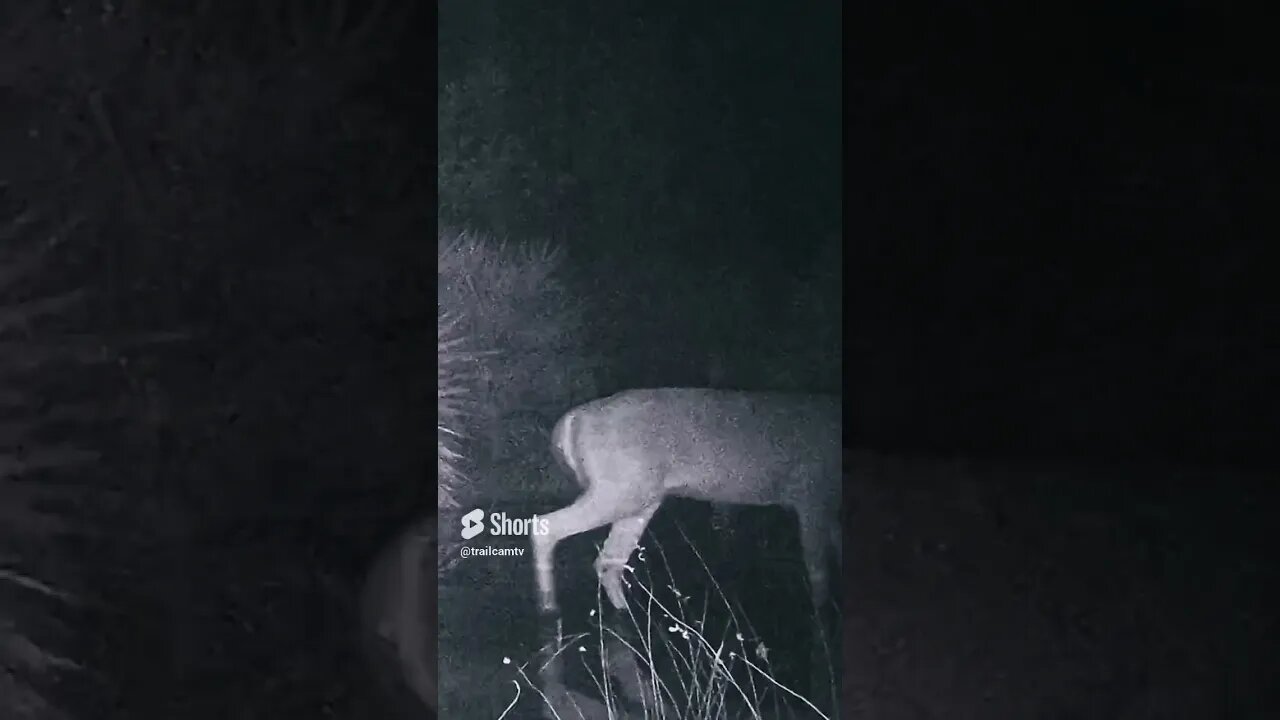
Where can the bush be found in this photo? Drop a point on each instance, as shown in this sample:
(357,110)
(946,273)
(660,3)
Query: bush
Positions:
(510,355)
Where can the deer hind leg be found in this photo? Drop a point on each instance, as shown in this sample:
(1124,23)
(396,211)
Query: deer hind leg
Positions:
(815,534)
(813,542)
(623,538)
(722,518)
(590,511)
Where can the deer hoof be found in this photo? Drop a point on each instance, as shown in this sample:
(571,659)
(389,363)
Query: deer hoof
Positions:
(610,574)
(611,579)
(613,588)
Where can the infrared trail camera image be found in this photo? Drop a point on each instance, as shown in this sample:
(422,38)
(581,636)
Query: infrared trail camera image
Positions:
(640,288)
(912,364)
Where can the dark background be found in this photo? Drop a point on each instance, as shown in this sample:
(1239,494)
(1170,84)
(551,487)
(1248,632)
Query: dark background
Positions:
(1058,221)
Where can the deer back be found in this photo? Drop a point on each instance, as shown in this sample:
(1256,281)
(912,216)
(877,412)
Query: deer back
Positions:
(719,445)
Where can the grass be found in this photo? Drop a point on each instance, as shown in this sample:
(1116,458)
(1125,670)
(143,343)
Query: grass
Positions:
(671,654)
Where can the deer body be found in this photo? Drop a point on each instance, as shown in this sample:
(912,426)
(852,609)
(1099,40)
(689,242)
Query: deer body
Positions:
(631,450)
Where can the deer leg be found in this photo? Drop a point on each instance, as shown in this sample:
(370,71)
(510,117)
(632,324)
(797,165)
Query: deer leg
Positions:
(722,518)
(814,536)
(623,538)
(813,541)
(590,511)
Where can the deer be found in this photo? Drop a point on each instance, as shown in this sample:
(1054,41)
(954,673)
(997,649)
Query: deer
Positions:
(630,451)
